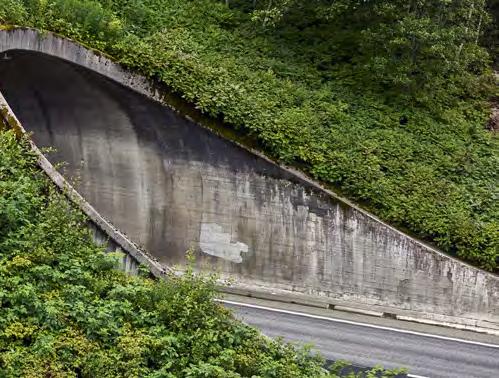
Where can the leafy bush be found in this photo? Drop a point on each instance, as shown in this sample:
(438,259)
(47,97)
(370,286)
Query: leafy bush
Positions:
(407,142)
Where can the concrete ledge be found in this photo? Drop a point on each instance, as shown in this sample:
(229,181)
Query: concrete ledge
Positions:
(356,308)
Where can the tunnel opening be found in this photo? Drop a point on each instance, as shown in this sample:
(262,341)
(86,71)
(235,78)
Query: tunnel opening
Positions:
(160,178)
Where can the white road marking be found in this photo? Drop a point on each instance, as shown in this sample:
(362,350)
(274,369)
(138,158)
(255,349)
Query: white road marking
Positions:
(318,317)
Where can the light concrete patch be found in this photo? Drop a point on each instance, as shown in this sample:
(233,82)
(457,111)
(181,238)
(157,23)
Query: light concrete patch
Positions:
(215,242)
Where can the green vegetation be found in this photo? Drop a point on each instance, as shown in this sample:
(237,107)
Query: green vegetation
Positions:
(65,311)
(491,35)
(384,100)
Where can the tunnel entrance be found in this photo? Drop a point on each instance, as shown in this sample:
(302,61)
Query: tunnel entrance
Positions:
(166,182)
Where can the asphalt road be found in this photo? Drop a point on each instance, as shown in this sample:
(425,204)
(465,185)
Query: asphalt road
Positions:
(426,356)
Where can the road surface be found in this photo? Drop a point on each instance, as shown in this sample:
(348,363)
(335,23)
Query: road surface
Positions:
(426,355)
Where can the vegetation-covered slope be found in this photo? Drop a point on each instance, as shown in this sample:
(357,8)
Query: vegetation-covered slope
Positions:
(384,100)
(65,311)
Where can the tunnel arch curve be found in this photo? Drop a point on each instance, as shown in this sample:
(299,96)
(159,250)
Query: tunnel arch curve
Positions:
(59,47)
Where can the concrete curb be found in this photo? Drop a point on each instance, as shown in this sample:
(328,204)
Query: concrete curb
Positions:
(355,308)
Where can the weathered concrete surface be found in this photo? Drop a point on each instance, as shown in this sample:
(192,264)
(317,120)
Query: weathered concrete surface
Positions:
(170,185)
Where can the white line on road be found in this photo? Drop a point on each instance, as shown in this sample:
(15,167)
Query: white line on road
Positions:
(318,317)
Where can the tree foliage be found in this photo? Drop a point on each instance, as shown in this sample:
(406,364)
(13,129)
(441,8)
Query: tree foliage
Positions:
(417,50)
(383,100)
(491,35)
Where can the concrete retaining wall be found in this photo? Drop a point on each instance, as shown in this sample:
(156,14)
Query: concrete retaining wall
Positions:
(170,184)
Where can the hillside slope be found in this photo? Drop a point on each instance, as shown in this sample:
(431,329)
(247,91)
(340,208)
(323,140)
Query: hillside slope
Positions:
(389,108)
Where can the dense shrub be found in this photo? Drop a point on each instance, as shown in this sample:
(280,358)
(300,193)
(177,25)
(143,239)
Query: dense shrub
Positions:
(407,142)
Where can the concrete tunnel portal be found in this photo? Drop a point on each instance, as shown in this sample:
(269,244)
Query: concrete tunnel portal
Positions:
(157,176)
(170,185)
